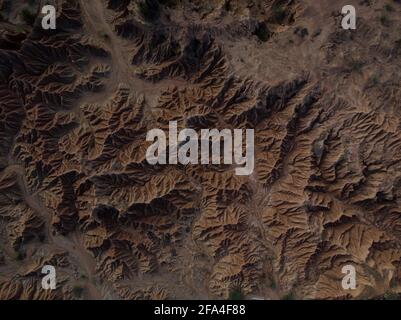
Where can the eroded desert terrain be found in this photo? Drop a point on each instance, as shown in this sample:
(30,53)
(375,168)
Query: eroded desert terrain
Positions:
(76,191)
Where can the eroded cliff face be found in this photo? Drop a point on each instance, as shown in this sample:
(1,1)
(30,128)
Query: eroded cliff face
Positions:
(76,189)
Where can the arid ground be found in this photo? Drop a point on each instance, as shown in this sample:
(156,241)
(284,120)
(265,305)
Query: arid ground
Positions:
(77,193)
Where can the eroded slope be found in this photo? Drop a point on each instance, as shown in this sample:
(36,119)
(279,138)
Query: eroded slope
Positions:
(77,192)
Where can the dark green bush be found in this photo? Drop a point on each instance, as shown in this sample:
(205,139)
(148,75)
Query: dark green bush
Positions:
(262,32)
(77,291)
(169,3)
(28,17)
(236,294)
(149,9)
(278,14)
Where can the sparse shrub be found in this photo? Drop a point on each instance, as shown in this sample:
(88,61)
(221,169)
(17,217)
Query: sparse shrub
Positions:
(389,295)
(373,80)
(397,45)
(317,33)
(384,20)
(273,284)
(227,5)
(288,296)
(208,8)
(20,29)
(104,35)
(20,256)
(302,32)
(366,3)
(388,8)
(355,65)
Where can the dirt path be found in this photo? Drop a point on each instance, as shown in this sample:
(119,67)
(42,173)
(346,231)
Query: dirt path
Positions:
(122,71)
(73,245)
